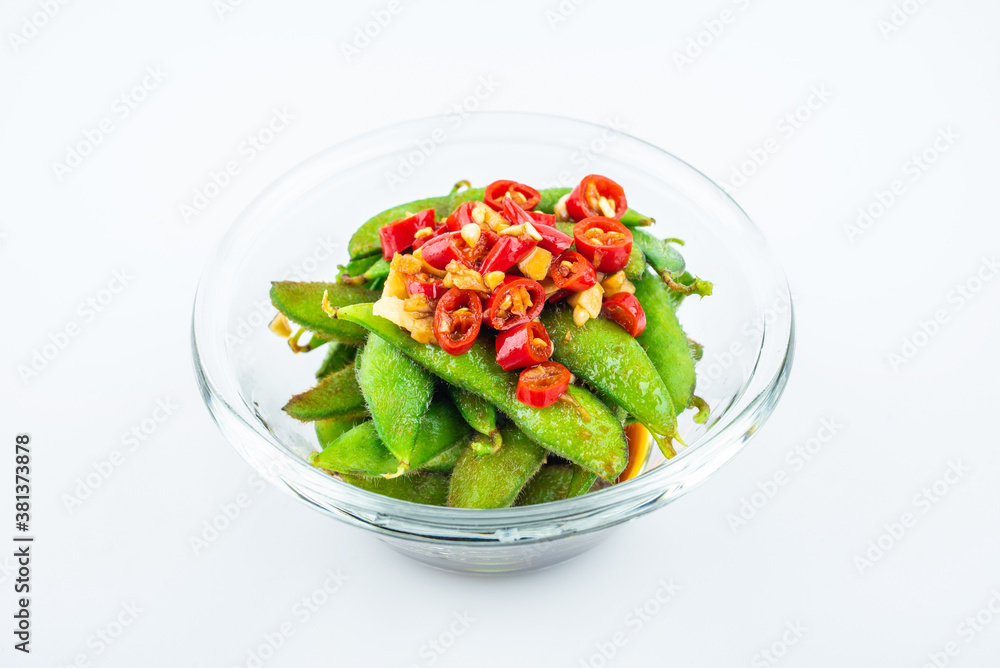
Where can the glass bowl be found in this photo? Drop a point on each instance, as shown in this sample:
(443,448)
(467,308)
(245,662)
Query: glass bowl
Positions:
(298,229)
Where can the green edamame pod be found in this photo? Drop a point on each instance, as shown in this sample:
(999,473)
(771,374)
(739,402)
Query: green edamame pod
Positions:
(357,451)
(427,488)
(586,434)
(582,482)
(440,428)
(336,395)
(633,218)
(355,268)
(549,198)
(551,483)
(378,270)
(482,445)
(659,253)
(365,270)
(555,482)
(494,481)
(444,461)
(360,450)
(302,303)
(618,411)
(664,340)
(636,265)
(603,354)
(566,227)
(366,240)
(398,392)
(330,429)
(338,355)
(479,413)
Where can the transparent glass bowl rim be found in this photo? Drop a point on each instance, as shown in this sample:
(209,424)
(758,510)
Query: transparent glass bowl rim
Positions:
(590,512)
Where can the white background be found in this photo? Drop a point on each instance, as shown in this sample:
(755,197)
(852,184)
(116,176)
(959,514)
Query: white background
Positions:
(900,425)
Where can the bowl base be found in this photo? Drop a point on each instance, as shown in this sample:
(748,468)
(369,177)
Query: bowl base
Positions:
(492,558)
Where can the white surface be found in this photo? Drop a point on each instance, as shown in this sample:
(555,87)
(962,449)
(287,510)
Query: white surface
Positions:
(795,561)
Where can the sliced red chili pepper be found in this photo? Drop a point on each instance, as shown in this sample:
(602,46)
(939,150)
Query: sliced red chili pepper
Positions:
(441,250)
(423,239)
(424,284)
(525,196)
(523,346)
(457,320)
(543,218)
(514,302)
(605,242)
(572,271)
(553,240)
(626,310)
(398,235)
(585,200)
(542,385)
(487,240)
(507,252)
(558,296)
(461,216)
(515,213)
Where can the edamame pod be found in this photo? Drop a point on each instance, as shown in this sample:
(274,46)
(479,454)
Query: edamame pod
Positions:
(603,354)
(440,428)
(665,342)
(338,355)
(337,395)
(660,255)
(427,488)
(330,429)
(618,411)
(360,450)
(482,445)
(357,451)
(366,240)
(364,270)
(566,227)
(633,218)
(549,198)
(303,303)
(445,461)
(479,413)
(551,483)
(355,268)
(555,482)
(494,481)
(398,392)
(582,482)
(586,434)
(636,265)
(378,270)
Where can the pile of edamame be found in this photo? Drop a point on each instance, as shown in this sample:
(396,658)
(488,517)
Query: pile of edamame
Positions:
(497,347)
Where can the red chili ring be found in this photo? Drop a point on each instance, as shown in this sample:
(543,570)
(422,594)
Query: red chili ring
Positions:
(523,346)
(500,315)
